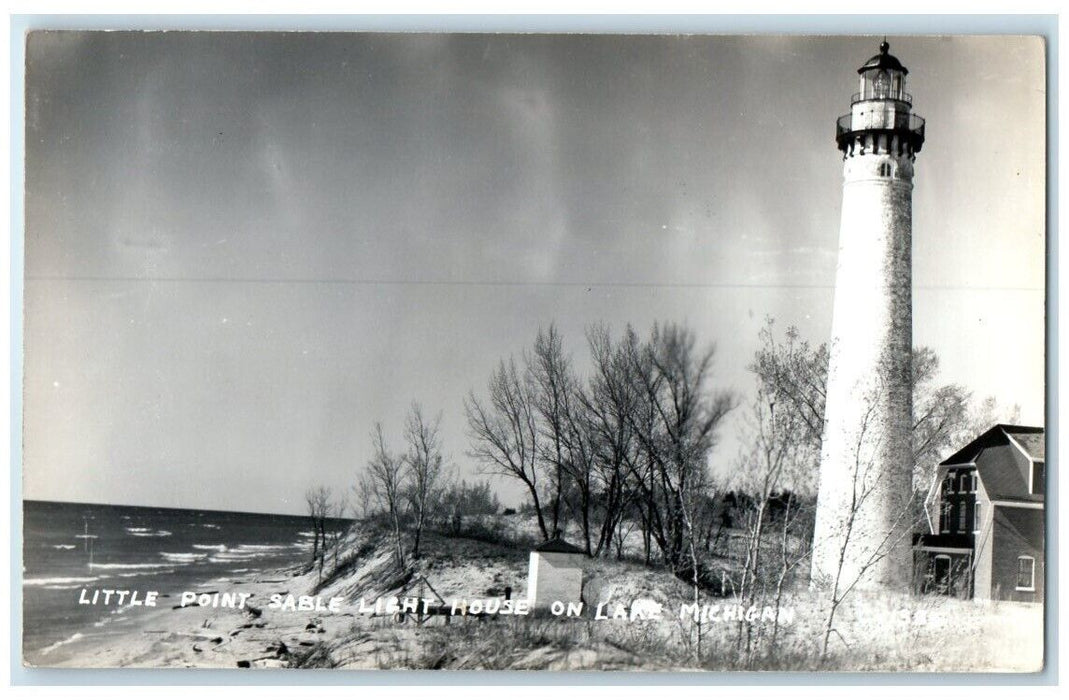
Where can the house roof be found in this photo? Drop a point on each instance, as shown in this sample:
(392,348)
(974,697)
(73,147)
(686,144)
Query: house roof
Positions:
(1004,484)
(1031,439)
(1001,483)
(997,435)
(557,544)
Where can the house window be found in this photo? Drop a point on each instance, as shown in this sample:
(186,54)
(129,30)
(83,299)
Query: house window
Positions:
(1026,573)
(977,522)
(962,519)
(972,482)
(966,480)
(944,518)
(948,483)
(885,170)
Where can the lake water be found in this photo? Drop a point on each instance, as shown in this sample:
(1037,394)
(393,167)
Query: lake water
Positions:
(132,548)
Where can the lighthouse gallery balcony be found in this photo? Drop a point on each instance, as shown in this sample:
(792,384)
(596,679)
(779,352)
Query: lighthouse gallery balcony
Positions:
(905,124)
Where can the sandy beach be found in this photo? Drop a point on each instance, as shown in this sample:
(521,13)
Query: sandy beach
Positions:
(886,632)
(174,636)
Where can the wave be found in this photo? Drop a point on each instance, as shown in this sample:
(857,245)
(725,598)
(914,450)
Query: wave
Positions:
(52,647)
(215,547)
(131,566)
(154,572)
(246,552)
(63,546)
(182,557)
(223,557)
(60,580)
(147,532)
(210,526)
(63,588)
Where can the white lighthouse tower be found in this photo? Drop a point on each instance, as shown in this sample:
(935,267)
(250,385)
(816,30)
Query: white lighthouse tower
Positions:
(864,520)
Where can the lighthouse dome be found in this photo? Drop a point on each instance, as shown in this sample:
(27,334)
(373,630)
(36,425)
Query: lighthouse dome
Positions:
(883,60)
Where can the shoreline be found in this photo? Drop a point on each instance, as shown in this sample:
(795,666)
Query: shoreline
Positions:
(175,636)
(886,631)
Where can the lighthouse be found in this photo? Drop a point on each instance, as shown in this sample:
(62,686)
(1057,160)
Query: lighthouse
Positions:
(864,518)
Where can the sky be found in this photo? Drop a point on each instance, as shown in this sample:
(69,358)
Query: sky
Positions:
(244,249)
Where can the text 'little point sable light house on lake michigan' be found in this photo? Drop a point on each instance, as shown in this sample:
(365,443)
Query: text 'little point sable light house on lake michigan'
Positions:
(863,520)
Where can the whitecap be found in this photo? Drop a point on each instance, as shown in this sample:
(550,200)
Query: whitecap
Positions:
(131,566)
(63,546)
(154,572)
(215,547)
(182,557)
(146,532)
(52,647)
(60,580)
(223,557)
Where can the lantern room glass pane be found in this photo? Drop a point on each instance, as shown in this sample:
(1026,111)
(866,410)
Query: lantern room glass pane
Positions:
(882,85)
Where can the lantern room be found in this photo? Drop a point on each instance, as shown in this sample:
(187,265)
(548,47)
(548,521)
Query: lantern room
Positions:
(881,119)
(883,77)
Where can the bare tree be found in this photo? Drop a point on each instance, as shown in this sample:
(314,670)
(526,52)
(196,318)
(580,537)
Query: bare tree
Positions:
(335,526)
(388,476)
(779,458)
(632,440)
(363,493)
(318,503)
(859,551)
(676,424)
(568,440)
(610,401)
(797,375)
(504,431)
(424,466)
(942,416)
(550,374)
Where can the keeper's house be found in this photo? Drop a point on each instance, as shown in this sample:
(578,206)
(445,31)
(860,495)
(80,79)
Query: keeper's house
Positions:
(985,517)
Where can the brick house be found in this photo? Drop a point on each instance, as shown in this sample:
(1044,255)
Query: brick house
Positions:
(986,519)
